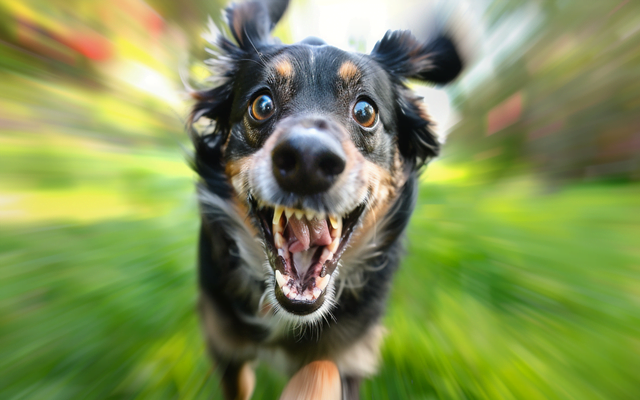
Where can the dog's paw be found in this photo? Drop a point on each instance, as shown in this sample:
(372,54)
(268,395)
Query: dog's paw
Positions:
(319,380)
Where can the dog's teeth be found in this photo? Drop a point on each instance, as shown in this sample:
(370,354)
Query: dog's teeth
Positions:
(321,283)
(280,279)
(299,214)
(286,290)
(308,295)
(337,227)
(277,214)
(310,214)
(279,240)
(326,255)
(288,212)
(333,246)
(316,292)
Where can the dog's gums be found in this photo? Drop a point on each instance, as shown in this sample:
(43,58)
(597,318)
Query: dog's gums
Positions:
(305,247)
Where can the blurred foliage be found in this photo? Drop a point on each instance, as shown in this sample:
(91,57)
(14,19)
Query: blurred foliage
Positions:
(521,280)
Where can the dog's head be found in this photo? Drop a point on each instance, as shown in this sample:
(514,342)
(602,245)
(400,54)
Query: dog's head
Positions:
(313,143)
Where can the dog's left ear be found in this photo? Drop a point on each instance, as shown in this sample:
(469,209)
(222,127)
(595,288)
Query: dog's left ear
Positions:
(436,61)
(404,57)
(251,22)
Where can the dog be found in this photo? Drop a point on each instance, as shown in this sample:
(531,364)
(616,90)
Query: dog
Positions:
(308,158)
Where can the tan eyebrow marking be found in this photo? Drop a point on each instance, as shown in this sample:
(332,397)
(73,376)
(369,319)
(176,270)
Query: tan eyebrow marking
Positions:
(348,71)
(284,67)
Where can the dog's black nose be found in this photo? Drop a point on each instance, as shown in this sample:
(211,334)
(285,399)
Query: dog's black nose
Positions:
(307,160)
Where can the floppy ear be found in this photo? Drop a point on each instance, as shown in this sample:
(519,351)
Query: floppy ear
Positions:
(435,61)
(251,22)
(208,160)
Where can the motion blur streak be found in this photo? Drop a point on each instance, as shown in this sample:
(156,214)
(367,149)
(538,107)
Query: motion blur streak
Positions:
(523,270)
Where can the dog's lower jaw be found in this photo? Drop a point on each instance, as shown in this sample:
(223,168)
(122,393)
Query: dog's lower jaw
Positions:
(298,317)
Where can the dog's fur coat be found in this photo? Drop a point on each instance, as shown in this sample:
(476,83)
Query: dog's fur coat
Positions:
(321,131)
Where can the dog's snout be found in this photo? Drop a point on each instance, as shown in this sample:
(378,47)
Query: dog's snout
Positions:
(307,161)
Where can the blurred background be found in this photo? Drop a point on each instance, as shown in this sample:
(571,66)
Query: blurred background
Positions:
(522,274)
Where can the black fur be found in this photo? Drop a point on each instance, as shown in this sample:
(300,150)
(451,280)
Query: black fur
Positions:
(231,262)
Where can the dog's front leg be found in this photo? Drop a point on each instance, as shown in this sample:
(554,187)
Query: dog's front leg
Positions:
(319,380)
(238,381)
(351,387)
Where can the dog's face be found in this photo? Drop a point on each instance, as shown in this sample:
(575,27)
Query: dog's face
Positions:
(314,144)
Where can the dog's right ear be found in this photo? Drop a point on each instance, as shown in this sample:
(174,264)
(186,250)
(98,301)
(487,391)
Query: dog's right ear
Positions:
(251,22)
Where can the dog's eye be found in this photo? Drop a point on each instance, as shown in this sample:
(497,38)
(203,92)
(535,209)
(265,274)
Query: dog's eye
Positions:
(262,107)
(365,114)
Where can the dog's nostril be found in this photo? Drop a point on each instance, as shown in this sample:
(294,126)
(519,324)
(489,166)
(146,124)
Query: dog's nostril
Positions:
(331,164)
(321,124)
(285,159)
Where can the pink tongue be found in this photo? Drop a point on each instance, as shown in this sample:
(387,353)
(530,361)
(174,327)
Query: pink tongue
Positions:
(308,234)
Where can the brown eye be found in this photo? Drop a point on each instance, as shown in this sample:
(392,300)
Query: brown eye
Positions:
(262,107)
(364,114)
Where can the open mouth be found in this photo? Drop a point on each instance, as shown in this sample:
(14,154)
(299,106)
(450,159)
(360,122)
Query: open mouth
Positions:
(304,248)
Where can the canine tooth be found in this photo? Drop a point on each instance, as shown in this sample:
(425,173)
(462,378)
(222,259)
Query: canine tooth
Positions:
(337,228)
(288,212)
(286,290)
(299,214)
(321,283)
(338,225)
(316,292)
(333,246)
(280,279)
(279,240)
(334,221)
(326,255)
(277,213)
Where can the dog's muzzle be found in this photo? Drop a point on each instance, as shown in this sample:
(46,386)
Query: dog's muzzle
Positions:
(304,242)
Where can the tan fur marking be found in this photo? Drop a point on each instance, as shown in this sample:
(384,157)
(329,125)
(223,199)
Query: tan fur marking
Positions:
(284,68)
(319,380)
(236,172)
(348,71)
(233,168)
(424,112)
(384,187)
